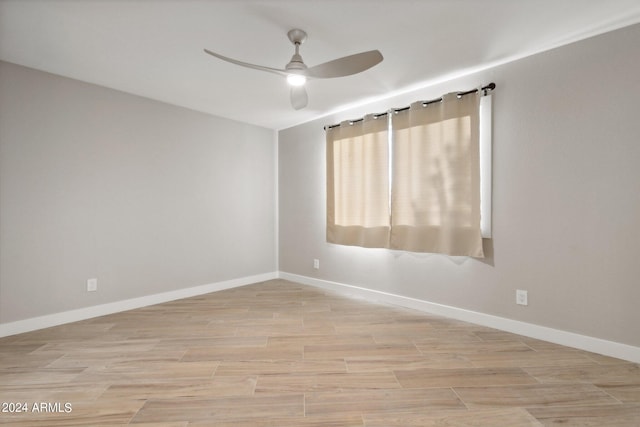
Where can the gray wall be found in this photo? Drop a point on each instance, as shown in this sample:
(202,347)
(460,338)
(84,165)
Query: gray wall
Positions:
(566,201)
(144,196)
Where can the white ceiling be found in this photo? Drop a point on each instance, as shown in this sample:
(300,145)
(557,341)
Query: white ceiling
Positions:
(153,48)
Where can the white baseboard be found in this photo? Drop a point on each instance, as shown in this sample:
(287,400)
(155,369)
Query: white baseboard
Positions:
(55,319)
(569,339)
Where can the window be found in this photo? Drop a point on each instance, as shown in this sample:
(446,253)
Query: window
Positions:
(411,181)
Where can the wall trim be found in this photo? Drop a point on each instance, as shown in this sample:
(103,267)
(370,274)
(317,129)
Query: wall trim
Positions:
(569,339)
(56,319)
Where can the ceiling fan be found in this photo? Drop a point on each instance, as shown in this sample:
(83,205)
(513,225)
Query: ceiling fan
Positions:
(297,72)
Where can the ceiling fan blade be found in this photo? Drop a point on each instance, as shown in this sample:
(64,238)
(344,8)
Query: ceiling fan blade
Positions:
(299,97)
(246,64)
(345,66)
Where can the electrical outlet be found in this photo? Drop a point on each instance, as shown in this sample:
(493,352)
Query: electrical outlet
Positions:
(92,285)
(521,297)
(316,264)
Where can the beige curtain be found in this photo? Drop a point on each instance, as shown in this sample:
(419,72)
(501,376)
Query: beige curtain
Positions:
(435,200)
(358,183)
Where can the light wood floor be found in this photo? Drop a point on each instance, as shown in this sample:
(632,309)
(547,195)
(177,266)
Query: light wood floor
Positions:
(282,354)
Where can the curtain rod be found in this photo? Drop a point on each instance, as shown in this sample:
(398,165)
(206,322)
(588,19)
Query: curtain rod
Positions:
(485,89)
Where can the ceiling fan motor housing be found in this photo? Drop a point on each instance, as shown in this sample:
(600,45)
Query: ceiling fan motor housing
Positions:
(295,64)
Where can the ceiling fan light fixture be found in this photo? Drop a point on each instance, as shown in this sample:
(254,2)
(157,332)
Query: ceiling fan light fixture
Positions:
(296,79)
(297,72)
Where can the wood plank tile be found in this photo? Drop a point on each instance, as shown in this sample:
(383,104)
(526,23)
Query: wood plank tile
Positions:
(322,339)
(600,375)
(392,363)
(439,336)
(381,401)
(627,393)
(177,424)
(511,417)
(540,345)
(494,335)
(292,352)
(29,360)
(482,348)
(51,392)
(223,408)
(12,348)
(98,360)
(29,377)
(211,330)
(534,395)
(342,351)
(100,346)
(226,341)
(465,377)
(589,415)
(82,330)
(285,383)
(282,367)
(193,388)
(379,327)
(602,359)
(526,359)
(325,421)
(275,327)
(147,372)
